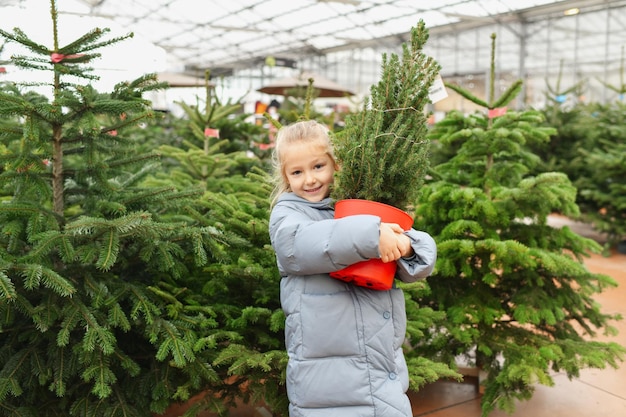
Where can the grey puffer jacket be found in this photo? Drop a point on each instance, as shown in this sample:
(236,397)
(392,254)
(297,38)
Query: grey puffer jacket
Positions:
(344,342)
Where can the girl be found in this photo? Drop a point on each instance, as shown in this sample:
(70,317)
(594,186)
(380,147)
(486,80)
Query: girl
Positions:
(344,341)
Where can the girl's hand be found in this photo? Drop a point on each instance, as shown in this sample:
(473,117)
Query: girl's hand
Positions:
(391,245)
(405,245)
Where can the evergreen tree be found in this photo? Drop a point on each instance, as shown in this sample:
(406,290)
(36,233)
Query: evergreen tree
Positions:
(601,180)
(245,293)
(383,148)
(93,320)
(589,148)
(601,172)
(568,118)
(518,299)
(245,344)
(208,144)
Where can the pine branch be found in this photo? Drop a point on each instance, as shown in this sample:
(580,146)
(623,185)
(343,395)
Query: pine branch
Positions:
(20,37)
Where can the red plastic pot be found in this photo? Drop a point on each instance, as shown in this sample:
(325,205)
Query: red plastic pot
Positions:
(374,273)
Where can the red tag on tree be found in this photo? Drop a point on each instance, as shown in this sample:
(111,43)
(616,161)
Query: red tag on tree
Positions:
(497,112)
(209,132)
(56,57)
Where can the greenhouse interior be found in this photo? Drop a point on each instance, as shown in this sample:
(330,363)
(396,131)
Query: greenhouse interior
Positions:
(140,275)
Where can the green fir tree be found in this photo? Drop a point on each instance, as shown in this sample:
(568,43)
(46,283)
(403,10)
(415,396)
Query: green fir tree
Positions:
(589,148)
(245,343)
(601,162)
(600,174)
(565,113)
(383,150)
(210,142)
(94,322)
(518,298)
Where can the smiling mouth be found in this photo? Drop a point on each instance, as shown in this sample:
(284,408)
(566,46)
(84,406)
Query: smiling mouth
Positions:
(314,190)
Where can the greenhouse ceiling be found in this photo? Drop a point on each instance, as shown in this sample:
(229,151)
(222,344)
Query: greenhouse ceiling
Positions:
(233,34)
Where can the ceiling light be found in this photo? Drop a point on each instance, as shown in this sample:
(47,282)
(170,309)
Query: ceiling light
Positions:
(571,12)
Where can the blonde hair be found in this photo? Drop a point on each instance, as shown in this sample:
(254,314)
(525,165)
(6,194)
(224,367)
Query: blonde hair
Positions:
(302,131)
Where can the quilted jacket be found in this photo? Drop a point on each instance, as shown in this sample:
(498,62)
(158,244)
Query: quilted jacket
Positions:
(344,341)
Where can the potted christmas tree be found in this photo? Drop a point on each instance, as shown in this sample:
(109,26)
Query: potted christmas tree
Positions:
(383,150)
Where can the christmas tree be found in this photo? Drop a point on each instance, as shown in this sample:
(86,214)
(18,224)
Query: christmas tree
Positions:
(601,174)
(94,321)
(564,112)
(383,148)
(589,148)
(518,298)
(598,167)
(245,342)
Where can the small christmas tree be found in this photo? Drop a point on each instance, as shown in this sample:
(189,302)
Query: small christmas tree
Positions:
(203,149)
(383,148)
(518,299)
(567,117)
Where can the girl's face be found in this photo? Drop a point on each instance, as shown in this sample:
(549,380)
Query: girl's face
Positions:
(308,169)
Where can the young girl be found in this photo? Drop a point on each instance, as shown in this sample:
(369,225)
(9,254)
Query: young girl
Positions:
(344,341)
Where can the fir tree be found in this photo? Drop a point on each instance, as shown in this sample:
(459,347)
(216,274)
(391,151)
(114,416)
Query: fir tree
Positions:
(589,148)
(209,144)
(383,148)
(518,299)
(93,321)
(600,167)
(568,118)
(600,176)
(245,344)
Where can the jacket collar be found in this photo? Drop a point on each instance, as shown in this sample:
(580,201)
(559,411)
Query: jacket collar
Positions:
(325,204)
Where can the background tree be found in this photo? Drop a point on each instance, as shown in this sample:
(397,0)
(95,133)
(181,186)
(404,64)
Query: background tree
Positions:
(589,148)
(209,144)
(245,344)
(518,299)
(97,319)
(600,175)
(599,166)
(565,113)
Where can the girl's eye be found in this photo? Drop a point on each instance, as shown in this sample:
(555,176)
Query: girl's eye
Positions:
(319,166)
(296,172)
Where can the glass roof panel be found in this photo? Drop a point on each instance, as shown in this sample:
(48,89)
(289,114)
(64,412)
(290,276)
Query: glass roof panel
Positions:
(241,33)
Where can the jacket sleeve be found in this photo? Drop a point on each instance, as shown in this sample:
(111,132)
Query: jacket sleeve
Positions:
(305,247)
(422,263)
